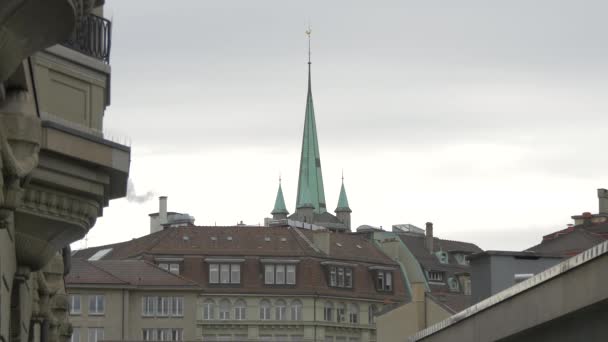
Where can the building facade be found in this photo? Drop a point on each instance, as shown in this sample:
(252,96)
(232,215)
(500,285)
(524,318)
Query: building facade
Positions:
(251,284)
(58,171)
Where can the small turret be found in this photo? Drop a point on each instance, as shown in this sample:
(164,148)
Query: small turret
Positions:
(280,210)
(343,210)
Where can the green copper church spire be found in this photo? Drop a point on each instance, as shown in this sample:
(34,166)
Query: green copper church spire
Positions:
(343,200)
(310,180)
(279,203)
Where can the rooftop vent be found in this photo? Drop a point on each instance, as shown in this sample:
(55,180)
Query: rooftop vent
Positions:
(213,238)
(186,238)
(229,238)
(283,239)
(267,238)
(338,244)
(359,246)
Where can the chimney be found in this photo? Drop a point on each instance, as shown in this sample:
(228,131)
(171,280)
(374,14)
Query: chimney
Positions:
(321,240)
(158,219)
(602,195)
(429,237)
(162,210)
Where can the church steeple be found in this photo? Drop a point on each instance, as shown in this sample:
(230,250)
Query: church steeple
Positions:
(310,178)
(279,212)
(343,210)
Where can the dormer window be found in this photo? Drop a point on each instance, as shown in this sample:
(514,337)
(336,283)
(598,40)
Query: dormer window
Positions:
(435,276)
(279,271)
(442,257)
(225,271)
(383,277)
(339,274)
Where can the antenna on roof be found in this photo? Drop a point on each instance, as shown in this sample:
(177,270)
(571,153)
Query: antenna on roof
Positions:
(308,32)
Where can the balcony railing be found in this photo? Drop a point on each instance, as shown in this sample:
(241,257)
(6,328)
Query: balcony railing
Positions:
(93,37)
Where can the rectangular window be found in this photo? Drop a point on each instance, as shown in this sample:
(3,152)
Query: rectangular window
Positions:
(328,314)
(214,273)
(96,305)
(177,306)
(75,335)
(332,276)
(162,308)
(149,334)
(280,275)
(435,276)
(340,276)
(174,268)
(269,274)
(291,274)
(148,306)
(341,314)
(224,273)
(75,305)
(235,274)
(164,266)
(384,281)
(95,334)
(348,277)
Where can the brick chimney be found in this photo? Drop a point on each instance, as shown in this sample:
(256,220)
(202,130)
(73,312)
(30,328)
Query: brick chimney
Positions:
(429,237)
(602,195)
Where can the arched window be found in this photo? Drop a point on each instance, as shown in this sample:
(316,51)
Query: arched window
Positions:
(280,310)
(264,309)
(208,308)
(328,312)
(296,310)
(225,307)
(341,312)
(240,310)
(353,313)
(372,313)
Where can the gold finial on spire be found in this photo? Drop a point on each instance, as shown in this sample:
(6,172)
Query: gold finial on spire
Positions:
(308,32)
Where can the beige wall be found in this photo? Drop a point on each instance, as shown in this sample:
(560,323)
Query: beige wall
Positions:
(404,321)
(111,320)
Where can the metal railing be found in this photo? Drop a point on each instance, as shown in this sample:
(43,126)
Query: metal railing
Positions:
(93,37)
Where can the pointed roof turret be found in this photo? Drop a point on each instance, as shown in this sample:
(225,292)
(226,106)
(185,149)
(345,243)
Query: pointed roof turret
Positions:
(343,200)
(310,177)
(279,203)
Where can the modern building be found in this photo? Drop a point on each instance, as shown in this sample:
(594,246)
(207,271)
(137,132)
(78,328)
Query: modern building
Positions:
(237,283)
(58,171)
(567,302)
(494,271)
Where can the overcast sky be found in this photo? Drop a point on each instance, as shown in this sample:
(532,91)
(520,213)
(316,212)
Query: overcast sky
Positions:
(487,118)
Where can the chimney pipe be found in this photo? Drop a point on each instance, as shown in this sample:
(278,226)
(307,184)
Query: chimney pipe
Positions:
(162,210)
(602,195)
(429,237)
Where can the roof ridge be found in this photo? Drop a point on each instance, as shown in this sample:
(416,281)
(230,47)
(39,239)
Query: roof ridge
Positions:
(105,271)
(167,271)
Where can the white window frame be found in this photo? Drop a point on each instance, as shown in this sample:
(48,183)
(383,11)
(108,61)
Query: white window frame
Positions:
(148,306)
(280,307)
(235,274)
(341,313)
(279,277)
(149,334)
(436,276)
(75,337)
(384,281)
(163,306)
(328,312)
(269,274)
(177,306)
(224,274)
(224,309)
(75,309)
(296,310)
(95,302)
(353,313)
(265,310)
(290,274)
(174,268)
(208,308)
(333,276)
(240,310)
(96,332)
(214,273)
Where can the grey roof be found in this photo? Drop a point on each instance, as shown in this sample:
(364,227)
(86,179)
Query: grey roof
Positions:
(429,262)
(572,240)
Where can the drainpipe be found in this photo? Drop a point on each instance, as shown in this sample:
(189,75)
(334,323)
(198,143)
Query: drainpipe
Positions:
(122,324)
(315,315)
(44,331)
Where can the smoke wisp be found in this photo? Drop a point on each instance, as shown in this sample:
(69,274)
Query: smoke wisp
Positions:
(132,196)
